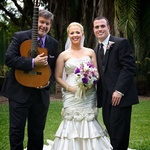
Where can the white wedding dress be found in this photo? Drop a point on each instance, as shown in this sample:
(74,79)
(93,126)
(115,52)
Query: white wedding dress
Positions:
(79,129)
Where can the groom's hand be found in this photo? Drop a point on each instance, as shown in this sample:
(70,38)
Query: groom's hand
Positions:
(116,98)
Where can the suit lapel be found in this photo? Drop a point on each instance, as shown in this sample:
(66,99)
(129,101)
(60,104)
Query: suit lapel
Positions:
(47,43)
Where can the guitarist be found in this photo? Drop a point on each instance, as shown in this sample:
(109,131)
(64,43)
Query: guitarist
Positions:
(28,103)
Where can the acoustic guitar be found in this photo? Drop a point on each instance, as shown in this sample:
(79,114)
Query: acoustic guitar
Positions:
(38,76)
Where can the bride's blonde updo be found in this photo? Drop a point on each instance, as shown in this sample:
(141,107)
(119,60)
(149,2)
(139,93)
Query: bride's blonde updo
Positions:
(75,24)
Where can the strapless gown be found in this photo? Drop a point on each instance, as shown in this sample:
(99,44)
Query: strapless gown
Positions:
(79,129)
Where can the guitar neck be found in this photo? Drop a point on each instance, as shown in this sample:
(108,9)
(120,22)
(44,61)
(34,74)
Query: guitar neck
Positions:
(34,32)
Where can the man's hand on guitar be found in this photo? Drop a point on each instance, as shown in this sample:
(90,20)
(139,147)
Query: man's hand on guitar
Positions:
(40,60)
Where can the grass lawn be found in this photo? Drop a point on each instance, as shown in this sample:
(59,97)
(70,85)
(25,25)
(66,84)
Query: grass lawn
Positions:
(140,124)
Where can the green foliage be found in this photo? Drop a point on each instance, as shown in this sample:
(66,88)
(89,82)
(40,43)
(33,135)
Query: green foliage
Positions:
(143,67)
(140,131)
(143,76)
(126,15)
(133,23)
(3,70)
(3,42)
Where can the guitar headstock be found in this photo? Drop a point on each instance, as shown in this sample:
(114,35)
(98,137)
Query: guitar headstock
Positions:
(37,3)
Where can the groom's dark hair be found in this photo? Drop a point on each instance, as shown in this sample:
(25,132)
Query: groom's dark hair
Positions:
(101,17)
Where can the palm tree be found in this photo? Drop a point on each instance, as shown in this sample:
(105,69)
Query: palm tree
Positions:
(133,23)
(127,19)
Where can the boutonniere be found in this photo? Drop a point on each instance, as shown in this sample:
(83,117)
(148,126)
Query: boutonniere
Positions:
(110,43)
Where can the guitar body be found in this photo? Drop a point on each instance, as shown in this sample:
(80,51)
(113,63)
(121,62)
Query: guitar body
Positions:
(38,76)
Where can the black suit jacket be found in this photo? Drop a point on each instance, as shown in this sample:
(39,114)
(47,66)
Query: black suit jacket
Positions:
(11,88)
(117,73)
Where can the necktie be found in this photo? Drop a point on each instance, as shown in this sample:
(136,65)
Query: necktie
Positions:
(101,50)
(40,42)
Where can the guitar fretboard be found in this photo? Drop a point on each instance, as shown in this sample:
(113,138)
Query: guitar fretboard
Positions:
(34,32)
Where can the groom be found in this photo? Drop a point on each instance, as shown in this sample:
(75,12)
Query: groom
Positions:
(116,88)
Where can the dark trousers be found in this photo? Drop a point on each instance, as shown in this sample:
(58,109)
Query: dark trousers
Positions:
(117,121)
(34,112)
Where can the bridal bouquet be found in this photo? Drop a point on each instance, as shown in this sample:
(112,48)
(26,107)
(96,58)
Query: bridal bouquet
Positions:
(86,76)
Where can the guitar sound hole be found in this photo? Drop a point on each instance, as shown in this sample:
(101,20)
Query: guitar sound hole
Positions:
(33,72)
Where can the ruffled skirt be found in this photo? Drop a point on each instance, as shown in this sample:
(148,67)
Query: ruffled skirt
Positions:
(80,130)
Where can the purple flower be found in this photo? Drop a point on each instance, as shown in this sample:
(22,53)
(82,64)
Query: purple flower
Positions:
(86,75)
(85,80)
(77,70)
(90,65)
(94,82)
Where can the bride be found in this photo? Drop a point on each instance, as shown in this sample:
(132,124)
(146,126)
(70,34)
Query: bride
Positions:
(79,129)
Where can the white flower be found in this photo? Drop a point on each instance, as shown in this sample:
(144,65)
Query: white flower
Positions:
(110,43)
